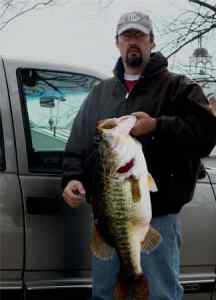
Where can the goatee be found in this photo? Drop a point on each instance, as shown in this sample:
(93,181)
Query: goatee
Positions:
(134,61)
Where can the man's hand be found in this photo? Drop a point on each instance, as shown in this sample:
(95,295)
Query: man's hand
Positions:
(144,124)
(74,193)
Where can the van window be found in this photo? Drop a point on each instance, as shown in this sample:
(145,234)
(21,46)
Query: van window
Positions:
(50,102)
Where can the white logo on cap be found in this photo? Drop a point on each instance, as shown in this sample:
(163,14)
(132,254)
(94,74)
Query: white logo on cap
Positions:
(133,18)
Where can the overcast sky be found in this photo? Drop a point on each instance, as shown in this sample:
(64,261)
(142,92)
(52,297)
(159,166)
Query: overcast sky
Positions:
(81,32)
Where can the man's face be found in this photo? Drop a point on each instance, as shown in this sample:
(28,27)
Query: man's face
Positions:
(135,48)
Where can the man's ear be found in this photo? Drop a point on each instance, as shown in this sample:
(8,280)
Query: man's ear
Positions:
(153,45)
(117,42)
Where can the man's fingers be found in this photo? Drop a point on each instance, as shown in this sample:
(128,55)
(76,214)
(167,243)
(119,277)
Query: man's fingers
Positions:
(76,186)
(75,195)
(72,202)
(72,199)
(80,188)
(144,124)
(68,193)
(134,131)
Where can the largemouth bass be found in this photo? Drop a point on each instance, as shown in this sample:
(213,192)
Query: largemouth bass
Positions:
(122,206)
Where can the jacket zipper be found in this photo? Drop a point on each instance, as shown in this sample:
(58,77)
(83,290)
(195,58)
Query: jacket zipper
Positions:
(126,96)
(132,91)
(127,93)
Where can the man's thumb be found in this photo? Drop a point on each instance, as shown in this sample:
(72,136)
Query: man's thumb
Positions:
(81,188)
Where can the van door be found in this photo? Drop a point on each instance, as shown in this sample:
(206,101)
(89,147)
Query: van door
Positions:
(44,101)
(11,208)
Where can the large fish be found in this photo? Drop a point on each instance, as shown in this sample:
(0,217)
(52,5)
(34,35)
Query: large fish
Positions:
(122,207)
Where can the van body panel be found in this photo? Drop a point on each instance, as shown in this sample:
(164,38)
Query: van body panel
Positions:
(11,205)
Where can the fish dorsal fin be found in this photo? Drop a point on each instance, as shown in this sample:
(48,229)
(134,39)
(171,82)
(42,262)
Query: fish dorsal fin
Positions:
(135,189)
(152,240)
(151,183)
(99,247)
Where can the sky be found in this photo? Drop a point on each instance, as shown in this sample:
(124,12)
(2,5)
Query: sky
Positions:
(82,32)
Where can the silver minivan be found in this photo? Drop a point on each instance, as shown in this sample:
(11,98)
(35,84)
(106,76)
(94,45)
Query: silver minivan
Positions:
(44,244)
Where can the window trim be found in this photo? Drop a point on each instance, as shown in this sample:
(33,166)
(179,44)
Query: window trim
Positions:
(2,147)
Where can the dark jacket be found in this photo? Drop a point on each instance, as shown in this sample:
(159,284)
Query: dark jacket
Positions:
(185,130)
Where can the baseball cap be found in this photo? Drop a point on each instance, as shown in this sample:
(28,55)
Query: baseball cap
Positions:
(134,20)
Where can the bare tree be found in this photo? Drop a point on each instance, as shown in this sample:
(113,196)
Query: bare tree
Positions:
(191,25)
(13,9)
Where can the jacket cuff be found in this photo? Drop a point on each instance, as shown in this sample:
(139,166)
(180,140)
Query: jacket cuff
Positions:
(162,125)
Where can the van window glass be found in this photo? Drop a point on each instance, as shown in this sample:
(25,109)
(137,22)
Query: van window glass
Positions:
(50,102)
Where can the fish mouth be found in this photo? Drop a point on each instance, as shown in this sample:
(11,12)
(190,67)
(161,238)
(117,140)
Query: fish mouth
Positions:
(122,124)
(126,168)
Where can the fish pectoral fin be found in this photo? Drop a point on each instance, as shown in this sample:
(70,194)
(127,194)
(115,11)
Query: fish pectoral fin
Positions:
(151,241)
(151,184)
(135,188)
(99,247)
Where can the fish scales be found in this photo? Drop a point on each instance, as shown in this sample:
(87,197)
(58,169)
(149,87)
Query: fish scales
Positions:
(121,203)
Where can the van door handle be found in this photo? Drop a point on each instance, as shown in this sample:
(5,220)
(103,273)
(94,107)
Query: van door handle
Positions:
(43,205)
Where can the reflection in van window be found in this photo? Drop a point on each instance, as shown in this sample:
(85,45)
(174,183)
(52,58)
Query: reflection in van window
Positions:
(52,100)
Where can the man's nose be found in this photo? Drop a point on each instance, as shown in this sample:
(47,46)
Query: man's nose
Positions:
(132,44)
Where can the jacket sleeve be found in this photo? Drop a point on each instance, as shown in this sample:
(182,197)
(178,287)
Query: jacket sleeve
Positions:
(80,139)
(191,126)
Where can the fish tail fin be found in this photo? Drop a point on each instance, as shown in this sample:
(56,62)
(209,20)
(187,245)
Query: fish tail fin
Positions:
(121,291)
(140,288)
(135,288)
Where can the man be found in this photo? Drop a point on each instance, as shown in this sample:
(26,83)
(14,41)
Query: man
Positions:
(175,126)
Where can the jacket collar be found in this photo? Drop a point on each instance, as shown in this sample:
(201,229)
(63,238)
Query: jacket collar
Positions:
(157,64)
